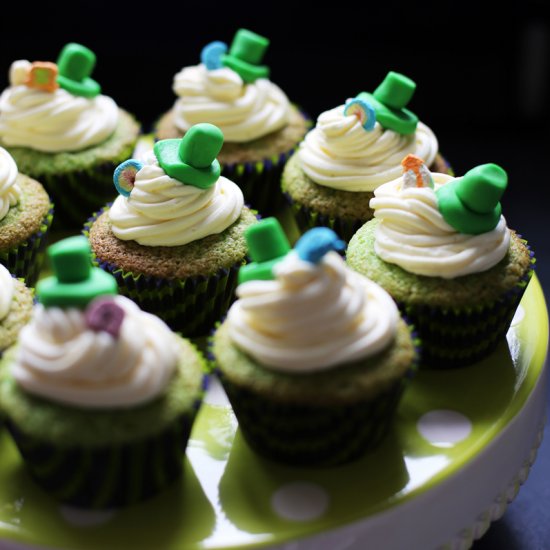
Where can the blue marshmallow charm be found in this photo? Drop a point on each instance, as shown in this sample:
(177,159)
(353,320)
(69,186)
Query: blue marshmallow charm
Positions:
(363,110)
(125,176)
(211,55)
(315,243)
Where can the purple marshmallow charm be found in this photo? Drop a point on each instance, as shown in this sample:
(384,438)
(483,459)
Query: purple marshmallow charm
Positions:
(106,315)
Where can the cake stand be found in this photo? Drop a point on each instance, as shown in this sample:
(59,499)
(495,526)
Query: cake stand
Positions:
(462,443)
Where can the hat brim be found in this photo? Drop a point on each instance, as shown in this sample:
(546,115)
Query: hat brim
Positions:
(87,88)
(401,121)
(247,71)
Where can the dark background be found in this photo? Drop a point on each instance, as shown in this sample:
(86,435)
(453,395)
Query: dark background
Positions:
(483,85)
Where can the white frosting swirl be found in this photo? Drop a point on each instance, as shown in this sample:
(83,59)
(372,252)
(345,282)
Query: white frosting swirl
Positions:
(414,235)
(61,359)
(10,192)
(53,122)
(6,291)
(341,154)
(312,317)
(161,211)
(243,112)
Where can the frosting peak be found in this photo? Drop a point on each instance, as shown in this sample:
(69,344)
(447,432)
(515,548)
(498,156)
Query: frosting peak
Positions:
(242,111)
(161,211)
(9,190)
(53,121)
(414,235)
(61,358)
(312,317)
(341,154)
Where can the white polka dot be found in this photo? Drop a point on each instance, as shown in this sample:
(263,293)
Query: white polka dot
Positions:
(518,316)
(444,428)
(300,501)
(215,394)
(86,518)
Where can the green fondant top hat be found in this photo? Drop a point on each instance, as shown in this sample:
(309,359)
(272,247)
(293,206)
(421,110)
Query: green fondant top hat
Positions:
(75,282)
(471,204)
(389,101)
(245,55)
(267,245)
(192,159)
(75,65)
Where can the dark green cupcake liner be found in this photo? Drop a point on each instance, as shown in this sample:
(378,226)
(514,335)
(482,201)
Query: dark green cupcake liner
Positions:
(260,182)
(190,306)
(77,193)
(460,337)
(314,435)
(25,259)
(307,218)
(106,477)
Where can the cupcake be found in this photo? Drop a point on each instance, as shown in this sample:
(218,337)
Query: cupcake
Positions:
(99,396)
(61,131)
(25,218)
(312,356)
(441,247)
(353,149)
(231,90)
(16,302)
(173,238)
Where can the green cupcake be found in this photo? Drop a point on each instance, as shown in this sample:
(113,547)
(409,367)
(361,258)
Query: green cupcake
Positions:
(444,253)
(314,362)
(16,302)
(174,238)
(230,88)
(62,132)
(26,215)
(98,395)
(353,149)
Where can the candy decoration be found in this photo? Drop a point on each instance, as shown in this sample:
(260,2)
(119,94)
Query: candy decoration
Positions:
(363,110)
(75,64)
(389,101)
(125,176)
(211,55)
(416,173)
(104,314)
(471,204)
(19,72)
(42,76)
(315,243)
(246,52)
(75,283)
(267,246)
(192,159)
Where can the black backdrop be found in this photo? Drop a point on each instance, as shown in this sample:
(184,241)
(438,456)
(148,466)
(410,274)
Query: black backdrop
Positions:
(482,70)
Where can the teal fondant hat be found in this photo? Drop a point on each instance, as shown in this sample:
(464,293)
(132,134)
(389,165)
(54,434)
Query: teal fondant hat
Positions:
(75,283)
(75,65)
(245,55)
(390,100)
(192,159)
(267,245)
(471,204)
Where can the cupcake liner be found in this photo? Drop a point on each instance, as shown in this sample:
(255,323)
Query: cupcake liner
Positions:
(110,476)
(190,306)
(80,192)
(314,435)
(459,337)
(307,219)
(260,181)
(25,259)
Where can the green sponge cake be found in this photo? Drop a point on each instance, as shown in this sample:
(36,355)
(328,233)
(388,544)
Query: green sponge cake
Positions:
(25,218)
(440,246)
(231,89)
(353,149)
(174,238)
(313,357)
(64,133)
(16,302)
(99,396)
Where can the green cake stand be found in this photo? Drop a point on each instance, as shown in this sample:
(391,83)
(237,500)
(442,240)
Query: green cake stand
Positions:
(462,444)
